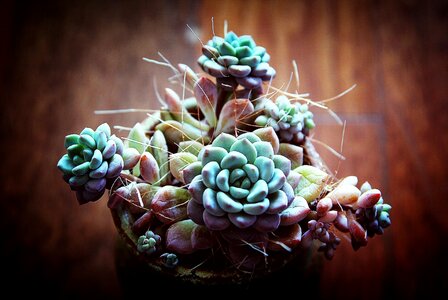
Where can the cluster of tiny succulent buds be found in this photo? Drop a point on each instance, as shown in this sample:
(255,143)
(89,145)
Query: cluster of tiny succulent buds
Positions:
(318,230)
(234,61)
(170,260)
(291,121)
(375,219)
(148,242)
(93,158)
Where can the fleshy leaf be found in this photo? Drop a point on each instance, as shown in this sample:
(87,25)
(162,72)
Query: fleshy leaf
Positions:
(170,204)
(344,194)
(312,182)
(137,138)
(178,162)
(207,97)
(178,237)
(178,111)
(190,76)
(232,113)
(176,132)
(268,134)
(201,238)
(149,169)
(159,149)
(368,199)
(191,171)
(296,212)
(190,146)
(293,153)
(130,157)
(245,147)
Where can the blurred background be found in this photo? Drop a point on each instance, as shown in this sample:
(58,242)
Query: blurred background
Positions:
(60,61)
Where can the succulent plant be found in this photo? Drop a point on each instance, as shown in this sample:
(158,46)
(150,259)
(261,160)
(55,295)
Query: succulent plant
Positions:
(291,121)
(376,218)
(147,243)
(241,182)
(93,158)
(236,60)
(212,172)
(170,260)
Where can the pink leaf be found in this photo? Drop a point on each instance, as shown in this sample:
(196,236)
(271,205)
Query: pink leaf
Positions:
(206,96)
(233,113)
(178,237)
(170,204)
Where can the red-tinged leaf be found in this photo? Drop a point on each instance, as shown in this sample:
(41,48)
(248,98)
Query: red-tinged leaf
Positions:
(357,232)
(206,96)
(232,114)
(135,195)
(170,204)
(178,237)
(341,222)
(323,206)
(368,199)
(201,238)
(293,153)
(286,237)
(143,223)
(296,212)
(149,169)
(345,194)
(268,134)
(329,217)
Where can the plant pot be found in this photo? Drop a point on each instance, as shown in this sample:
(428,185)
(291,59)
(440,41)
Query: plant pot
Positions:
(136,270)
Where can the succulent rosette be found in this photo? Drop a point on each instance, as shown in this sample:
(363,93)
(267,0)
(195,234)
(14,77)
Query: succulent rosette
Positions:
(242,182)
(291,121)
(93,157)
(236,60)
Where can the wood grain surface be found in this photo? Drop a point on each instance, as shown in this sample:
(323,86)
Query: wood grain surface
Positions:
(60,61)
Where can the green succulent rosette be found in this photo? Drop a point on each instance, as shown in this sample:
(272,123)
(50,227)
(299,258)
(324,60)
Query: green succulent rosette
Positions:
(291,121)
(148,242)
(241,183)
(94,158)
(236,60)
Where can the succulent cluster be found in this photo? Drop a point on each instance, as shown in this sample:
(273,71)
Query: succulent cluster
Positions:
(236,60)
(242,182)
(291,121)
(225,170)
(375,219)
(93,157)
(147,243)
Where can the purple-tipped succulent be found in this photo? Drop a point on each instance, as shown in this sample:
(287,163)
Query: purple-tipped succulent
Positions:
(93,158)
(291,121)
(236,60)
(241,182)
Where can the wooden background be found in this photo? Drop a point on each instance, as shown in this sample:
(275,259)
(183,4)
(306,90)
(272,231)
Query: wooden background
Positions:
(61,61)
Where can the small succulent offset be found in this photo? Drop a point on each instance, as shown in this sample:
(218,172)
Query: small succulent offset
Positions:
(93,158)
(147,243)
(225,170)
(170,260)
(236,60)
(291,121)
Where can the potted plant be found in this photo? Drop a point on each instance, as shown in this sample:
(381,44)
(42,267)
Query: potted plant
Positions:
(223,186)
